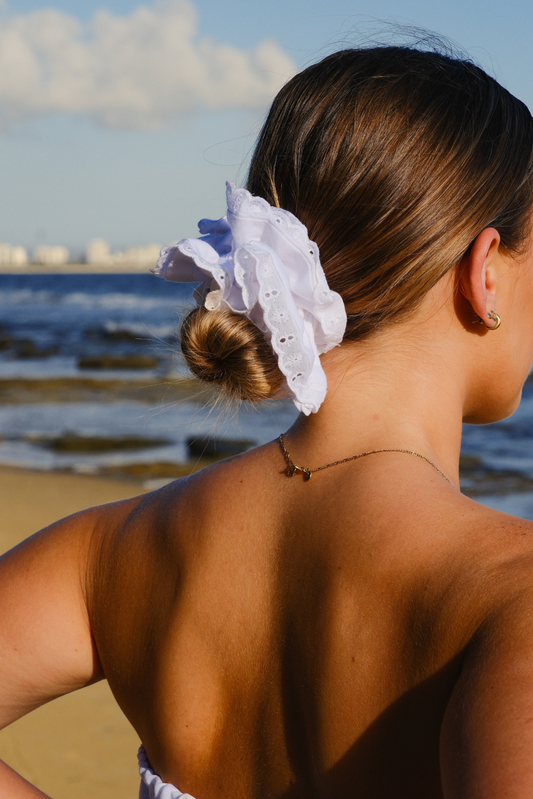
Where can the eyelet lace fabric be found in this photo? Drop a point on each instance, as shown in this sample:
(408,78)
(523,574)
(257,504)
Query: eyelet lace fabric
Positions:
(152,786)
(260,262)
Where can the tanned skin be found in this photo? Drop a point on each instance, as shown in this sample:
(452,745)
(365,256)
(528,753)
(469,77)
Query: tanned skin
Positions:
(368,633)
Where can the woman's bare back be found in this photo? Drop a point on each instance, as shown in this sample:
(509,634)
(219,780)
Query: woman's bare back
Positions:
(269,637)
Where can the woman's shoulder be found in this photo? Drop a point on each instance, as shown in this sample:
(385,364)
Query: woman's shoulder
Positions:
(485,551)
(477,573)
(506,542)
(502,541)
(433,512)
(438,532)
(490,707)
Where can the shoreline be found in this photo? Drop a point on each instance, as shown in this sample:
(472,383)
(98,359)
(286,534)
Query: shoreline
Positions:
(140,476)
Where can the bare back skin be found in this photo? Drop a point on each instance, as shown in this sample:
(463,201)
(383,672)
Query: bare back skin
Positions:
(269,637)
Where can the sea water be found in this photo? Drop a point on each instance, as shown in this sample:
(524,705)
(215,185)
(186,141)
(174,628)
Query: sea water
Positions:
(50,325)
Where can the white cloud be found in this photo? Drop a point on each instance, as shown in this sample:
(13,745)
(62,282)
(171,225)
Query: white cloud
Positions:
(136,71)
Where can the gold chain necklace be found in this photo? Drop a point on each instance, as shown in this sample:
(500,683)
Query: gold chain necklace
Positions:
(292,468)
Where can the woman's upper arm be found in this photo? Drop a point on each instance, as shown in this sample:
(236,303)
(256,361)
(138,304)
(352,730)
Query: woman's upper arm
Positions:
(487,734)
(46,647)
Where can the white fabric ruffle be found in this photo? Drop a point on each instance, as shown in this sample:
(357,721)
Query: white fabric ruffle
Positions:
(259,261)
(152,786)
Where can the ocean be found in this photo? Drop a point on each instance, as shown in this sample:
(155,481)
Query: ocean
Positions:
(91,381)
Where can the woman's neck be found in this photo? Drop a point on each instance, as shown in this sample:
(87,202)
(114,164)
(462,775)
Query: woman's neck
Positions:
(397,392)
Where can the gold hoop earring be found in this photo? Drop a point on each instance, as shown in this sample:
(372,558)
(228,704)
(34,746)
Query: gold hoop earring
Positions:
(496,318)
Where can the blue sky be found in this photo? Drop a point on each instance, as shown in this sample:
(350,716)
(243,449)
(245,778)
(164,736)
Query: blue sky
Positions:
(122,120)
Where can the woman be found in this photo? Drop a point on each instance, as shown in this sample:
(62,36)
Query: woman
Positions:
(297,621)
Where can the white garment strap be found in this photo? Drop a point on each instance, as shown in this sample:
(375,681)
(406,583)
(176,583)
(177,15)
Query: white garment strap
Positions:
(152,786)
(260,262)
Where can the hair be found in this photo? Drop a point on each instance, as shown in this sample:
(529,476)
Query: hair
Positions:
(227,349)
(395,159)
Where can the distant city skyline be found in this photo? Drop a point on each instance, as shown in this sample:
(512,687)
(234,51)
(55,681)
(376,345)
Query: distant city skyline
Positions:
(98,252)
(123,120)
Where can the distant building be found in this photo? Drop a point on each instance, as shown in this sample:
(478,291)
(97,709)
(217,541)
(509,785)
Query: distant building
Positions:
(50,255)
(98,252)
(141,256)
(12,256)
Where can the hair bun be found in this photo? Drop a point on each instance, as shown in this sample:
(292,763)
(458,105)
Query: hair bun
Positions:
(226,349)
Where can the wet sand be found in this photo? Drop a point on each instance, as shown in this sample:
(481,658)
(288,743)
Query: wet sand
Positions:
(79,746)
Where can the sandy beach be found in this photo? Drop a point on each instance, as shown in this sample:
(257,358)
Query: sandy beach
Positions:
(80,746)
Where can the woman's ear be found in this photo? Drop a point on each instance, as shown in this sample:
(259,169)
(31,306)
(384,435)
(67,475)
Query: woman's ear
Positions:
(478,276)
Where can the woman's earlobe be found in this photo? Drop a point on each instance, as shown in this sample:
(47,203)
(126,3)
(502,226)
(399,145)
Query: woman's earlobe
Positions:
(478,276)
(493,316)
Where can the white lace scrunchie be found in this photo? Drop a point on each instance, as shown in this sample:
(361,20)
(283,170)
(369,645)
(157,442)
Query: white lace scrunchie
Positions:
(259,261)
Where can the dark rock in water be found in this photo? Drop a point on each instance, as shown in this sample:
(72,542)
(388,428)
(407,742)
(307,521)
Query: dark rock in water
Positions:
(480,479)
(71,442)
(469,463)
(118,362)
(118,334)
(217,447)
(121,335)
(99,389)
(496,483)
(6,341)
(26,348)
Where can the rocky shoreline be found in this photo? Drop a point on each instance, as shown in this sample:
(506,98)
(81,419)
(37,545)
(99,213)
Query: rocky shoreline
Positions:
(477,478)
(16,391)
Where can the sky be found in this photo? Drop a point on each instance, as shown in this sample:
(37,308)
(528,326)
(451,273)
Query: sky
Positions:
(122,120)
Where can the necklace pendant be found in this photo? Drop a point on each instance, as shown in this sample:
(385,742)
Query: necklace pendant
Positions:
(306,473)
